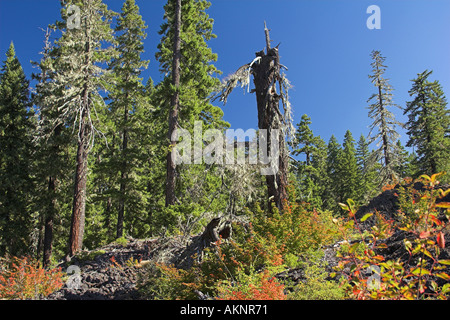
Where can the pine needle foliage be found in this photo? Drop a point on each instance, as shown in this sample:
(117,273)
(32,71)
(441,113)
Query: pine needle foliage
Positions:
(429,124)
(383,129)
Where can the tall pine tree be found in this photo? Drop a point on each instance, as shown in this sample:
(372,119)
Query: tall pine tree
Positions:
(53,162)
(81,51)
(311,173)
(183,102)
(16,129)
(348,170)
(334,154)
(128,101)
(429,125)
(368,173)
(305,139)
(383,120)
(319,173)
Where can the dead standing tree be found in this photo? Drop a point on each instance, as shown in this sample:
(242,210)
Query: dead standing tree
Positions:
(271,88)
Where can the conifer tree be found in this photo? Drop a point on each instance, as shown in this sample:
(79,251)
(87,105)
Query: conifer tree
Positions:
(81,51)
(311,173)
(319,172)
(383,120)
(348,170)
(304,136)
(127,102)
(16,129)
(304,139)
(52,159)
(334,151)
(174,104)
(196,77)
(408,163)
(429,125)
(368,175)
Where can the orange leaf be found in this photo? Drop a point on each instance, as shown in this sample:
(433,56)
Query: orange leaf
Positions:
(436,220)
(443,205)
(379,258)
(441,240)
(424,234)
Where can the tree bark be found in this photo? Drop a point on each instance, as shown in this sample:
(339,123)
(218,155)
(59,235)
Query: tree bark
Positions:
(48,227)
(79,200)
(266,73)
(51,189)
(123,174)
(387,160)
(173,117)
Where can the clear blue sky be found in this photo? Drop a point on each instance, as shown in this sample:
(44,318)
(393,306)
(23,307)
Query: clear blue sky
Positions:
(324,43)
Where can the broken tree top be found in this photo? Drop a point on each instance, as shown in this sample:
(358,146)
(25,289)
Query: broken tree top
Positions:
(271,88)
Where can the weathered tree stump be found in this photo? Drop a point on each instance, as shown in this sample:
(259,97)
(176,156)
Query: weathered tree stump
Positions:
(267,78)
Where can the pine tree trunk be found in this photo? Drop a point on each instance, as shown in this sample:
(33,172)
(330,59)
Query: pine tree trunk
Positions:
(387,160)
(173,117)
(47,241)
(431,159)
(123,175)
(48,227)
(79,201)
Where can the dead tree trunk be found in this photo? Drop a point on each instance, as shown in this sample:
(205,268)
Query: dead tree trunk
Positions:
(265,75)
(173,117)
(267,78)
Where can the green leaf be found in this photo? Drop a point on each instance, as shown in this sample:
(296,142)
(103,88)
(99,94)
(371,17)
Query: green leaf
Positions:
(416,249)
(443,275)
(445,261)
(426,252)
(353,247)
(366,216)
(446,288)
(344,206)
(420,271)
(434,286)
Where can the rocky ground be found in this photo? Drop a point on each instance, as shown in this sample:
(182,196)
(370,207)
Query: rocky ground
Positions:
(111,272)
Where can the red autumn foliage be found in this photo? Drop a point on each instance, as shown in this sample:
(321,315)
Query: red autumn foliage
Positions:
(265,288)
(25,278)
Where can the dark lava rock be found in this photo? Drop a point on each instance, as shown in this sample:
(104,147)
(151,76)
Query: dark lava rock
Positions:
(109,273)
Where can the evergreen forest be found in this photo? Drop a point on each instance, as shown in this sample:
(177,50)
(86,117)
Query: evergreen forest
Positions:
(90,155)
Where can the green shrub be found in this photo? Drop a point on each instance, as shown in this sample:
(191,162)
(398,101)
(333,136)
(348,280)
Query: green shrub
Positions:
(122,241)
(89,255)
(316,285)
